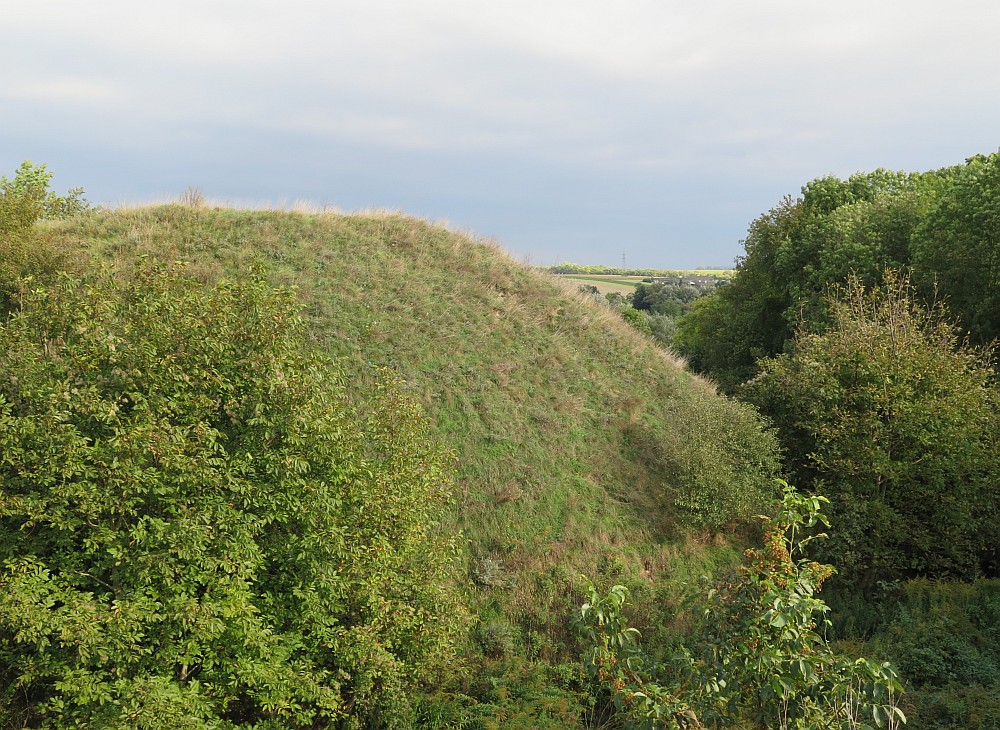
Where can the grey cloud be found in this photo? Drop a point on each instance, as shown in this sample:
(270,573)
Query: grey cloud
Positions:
(564,129)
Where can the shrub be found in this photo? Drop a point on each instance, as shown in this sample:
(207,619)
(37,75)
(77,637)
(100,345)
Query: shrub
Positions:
(943,631)
(24,200)
(196,530)
(759,654)
(638,319)
(895,419)
(718,459)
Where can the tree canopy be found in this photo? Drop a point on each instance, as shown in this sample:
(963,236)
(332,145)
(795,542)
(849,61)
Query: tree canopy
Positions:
(957,247)
(837,228)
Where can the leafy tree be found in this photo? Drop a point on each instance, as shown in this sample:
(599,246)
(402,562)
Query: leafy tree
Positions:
(639,320)
(663,329)
(665,299)
(616,300)
(896,420)
(957,248)
(837,228)
(27,198)
(196,529)
(24,200)
(757,660)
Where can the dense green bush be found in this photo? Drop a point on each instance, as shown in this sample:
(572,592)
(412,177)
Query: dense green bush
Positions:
(896,421)
(637,319)
(944,636)
(196,530)
(27,198)
(663,329)
(944,632)
(758,657)
(24,200)
(513,693)
(965,706)
(718,461)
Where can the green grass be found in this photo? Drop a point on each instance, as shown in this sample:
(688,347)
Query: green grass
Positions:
(571,431)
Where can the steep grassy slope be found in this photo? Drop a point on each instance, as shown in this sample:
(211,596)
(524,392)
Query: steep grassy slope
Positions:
(581,447)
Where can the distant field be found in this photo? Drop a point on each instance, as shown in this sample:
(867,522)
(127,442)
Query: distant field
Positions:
(607,283)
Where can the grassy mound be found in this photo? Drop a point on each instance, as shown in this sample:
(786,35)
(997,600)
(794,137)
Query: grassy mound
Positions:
(582,447)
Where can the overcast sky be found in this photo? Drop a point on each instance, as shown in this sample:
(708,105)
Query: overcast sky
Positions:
(578,130)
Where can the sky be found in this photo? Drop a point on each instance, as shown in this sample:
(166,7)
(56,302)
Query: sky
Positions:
(645,132)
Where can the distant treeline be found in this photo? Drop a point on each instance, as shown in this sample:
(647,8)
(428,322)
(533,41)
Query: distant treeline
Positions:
(597,269)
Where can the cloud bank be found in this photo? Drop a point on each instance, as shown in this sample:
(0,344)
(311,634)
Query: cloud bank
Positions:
(566,130)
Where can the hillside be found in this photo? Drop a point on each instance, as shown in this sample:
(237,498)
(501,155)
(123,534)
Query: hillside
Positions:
(581,447)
